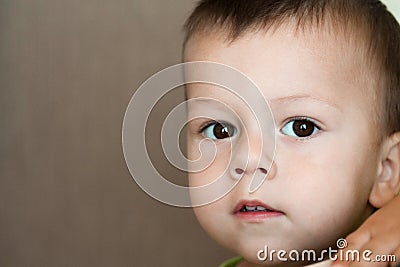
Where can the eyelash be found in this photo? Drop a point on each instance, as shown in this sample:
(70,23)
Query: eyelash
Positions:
(204,126)
(318,128)
(302,118)
(208,124)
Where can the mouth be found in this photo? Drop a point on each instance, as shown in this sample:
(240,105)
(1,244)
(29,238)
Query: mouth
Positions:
(255,211)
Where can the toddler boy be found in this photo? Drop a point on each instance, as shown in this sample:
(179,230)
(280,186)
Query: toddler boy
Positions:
(330,72)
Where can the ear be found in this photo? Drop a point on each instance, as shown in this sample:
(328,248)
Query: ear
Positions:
(387,183)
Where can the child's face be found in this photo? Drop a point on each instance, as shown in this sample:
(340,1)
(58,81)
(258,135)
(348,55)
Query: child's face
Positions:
(326,156)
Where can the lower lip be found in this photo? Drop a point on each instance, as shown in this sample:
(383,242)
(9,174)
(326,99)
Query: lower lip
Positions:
(259,216)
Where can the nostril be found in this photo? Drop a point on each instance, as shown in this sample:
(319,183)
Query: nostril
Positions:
(263,170)
(239,171)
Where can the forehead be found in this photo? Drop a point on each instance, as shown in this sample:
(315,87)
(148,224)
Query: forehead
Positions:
(287,62)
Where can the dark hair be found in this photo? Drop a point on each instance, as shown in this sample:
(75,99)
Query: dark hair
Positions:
(368,20)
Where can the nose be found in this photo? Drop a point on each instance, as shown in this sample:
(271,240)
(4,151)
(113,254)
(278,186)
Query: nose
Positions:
(252,158)
(240,171)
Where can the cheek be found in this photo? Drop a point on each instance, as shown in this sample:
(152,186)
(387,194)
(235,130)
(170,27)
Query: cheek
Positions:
(334,184)
(214,219)
(335,164)
(206,215)
(208,162)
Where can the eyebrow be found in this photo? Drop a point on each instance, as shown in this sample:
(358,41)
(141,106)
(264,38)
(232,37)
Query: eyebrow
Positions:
(284,99)
(209,101)
(298,97)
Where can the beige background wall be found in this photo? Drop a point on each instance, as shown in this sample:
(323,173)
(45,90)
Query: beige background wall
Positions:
(67,72)
(394,7)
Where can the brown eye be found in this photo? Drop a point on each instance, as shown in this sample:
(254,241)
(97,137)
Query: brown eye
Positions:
(217,130)
(300,128)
